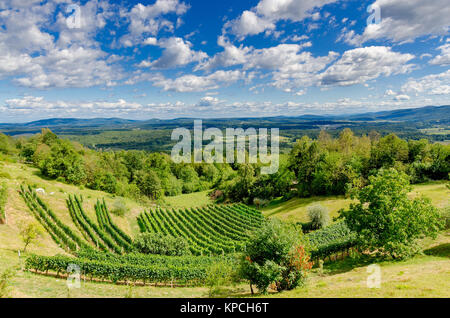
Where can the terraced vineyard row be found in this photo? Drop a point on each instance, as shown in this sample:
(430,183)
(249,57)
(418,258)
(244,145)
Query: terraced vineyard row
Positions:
(105,236)
(210,230)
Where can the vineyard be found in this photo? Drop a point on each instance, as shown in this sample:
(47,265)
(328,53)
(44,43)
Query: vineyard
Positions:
(210,230)
(104,252)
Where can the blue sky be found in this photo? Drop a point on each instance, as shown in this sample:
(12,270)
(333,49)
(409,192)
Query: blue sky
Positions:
(199,58)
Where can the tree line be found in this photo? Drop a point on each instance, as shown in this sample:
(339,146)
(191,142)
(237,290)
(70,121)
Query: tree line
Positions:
(323,166)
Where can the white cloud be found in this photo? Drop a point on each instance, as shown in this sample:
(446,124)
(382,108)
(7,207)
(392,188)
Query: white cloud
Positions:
(35,58)
(390,92)
(434,84)
(402,97)
(208,101)
(195,83)
(267,13)
(149,20)
(444,57)
(150,41)
(177,52)
(362,64)
(405,20)
(36,105)
(249,24)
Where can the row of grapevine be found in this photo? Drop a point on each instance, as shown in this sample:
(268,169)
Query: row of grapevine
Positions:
(212,229)
(99,237)
(116,271)
(330,240)
(104,220)
(61,233)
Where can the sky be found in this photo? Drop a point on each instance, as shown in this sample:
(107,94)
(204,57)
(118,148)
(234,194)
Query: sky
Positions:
(214,59)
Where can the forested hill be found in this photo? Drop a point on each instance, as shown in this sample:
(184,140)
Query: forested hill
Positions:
(438,114)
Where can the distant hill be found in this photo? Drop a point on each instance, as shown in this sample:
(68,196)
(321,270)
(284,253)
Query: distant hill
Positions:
(429,114)
(61,122)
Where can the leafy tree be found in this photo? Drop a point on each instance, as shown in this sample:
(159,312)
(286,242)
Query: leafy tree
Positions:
(275,255)
(149,184)
(388,150)
(29,233)
(64,162)
(386,221)
(304,158)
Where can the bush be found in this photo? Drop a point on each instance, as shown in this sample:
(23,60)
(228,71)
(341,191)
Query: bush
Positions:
(274,255)
(219,275)
(119,208)
(156,243)
(445,215)
(5,281)
(319,216)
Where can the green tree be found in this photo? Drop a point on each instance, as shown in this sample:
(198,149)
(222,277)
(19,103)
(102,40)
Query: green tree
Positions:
(29,233)
(275,255)
(304,158)
(388,150)
(386,221)
(149,184)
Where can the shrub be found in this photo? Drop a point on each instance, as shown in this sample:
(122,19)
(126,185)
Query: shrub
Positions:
(219,275)
(274,255)
(319,216)
(119,208)
(5,279)
(157,243)
(445,215)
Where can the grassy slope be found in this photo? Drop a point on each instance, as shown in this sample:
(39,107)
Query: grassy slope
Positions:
(296,209)
(422,276)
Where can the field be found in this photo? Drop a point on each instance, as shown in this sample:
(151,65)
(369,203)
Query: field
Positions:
(422,276)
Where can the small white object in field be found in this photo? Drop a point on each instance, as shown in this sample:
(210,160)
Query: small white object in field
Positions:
(52,193)
(40,190)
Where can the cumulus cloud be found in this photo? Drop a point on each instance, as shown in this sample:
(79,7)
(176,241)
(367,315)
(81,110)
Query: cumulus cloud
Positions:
(434,84)
(195,83)
(208,101)
(150,20)
(36,58)
(289,65)
(177,52)
(444,57)
(362,64)
(38,105)
(402,97)
(405,20)
(267,13)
